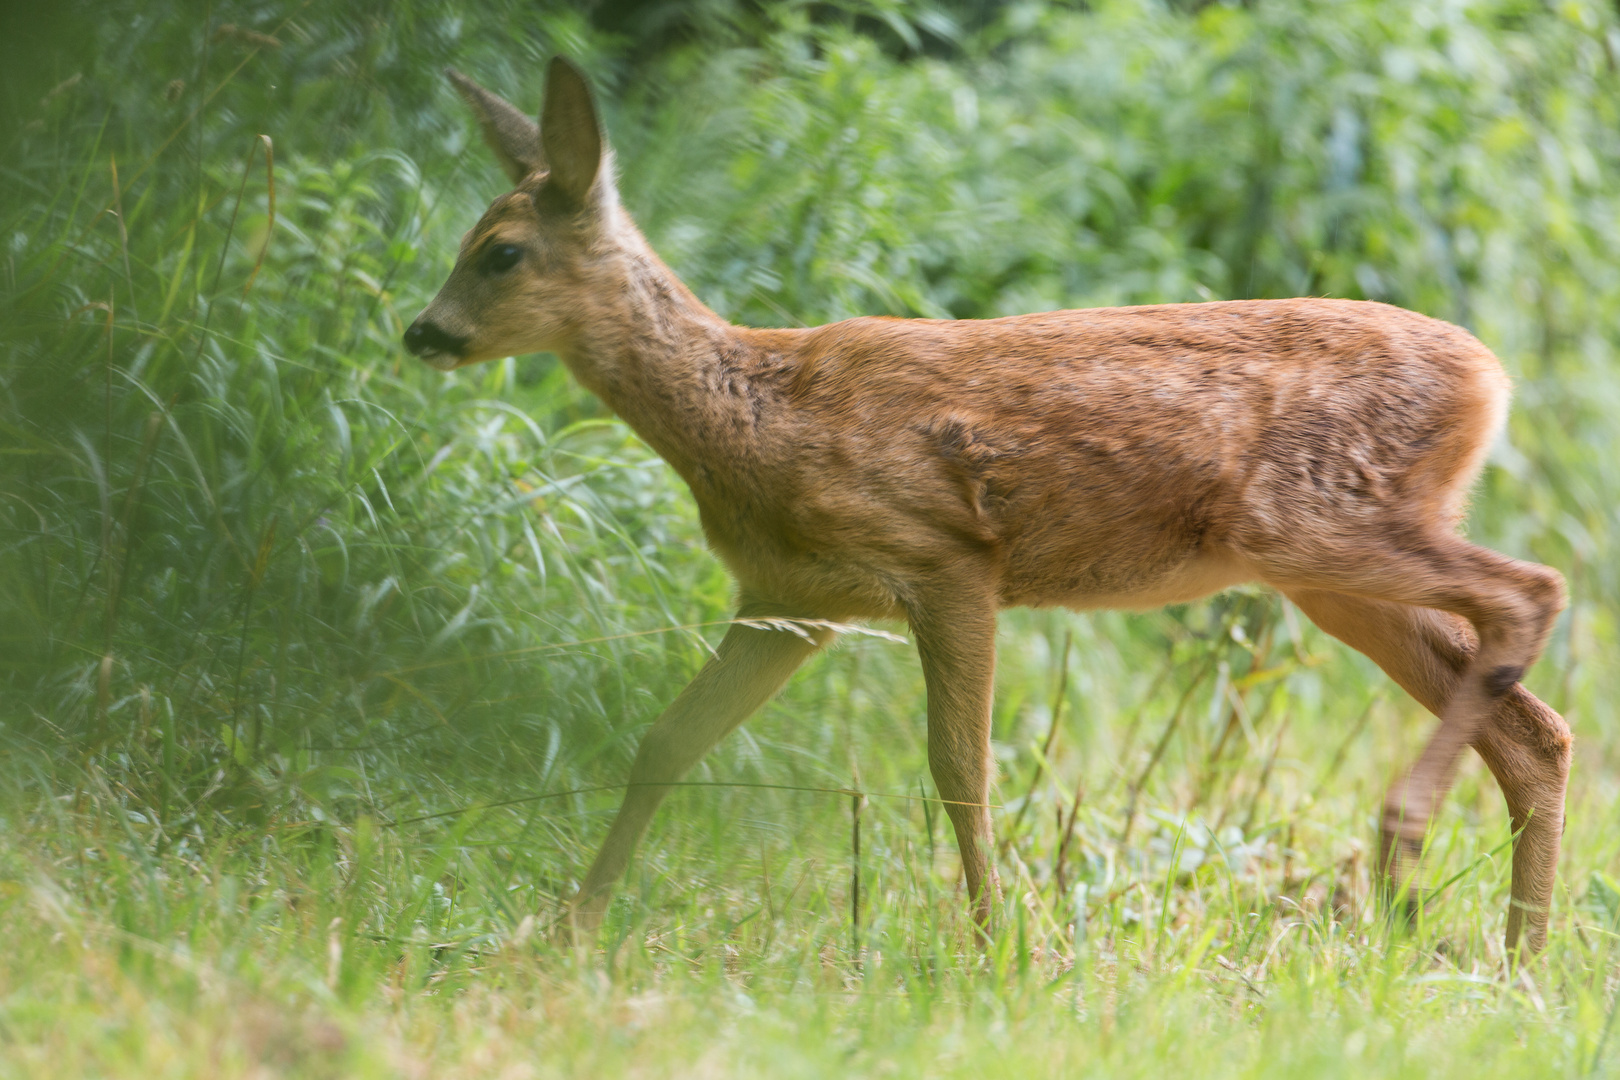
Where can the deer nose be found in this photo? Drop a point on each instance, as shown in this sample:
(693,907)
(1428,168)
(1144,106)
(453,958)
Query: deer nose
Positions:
(426,336)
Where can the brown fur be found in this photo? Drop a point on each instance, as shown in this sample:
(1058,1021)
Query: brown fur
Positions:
(937,471)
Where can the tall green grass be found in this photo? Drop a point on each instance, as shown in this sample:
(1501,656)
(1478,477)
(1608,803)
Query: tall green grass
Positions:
(317,662)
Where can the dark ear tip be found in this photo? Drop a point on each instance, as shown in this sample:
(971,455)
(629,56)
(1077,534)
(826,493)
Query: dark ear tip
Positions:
(468,89)
(561,65)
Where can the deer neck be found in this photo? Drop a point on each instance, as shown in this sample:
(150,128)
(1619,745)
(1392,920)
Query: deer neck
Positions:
(665,363)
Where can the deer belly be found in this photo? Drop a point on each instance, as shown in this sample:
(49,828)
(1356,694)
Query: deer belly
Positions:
(1119,581)
(814,583)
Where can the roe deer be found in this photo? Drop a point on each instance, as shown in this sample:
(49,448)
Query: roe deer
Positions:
(937,471)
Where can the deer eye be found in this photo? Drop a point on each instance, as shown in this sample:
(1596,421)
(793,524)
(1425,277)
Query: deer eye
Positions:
(501,258)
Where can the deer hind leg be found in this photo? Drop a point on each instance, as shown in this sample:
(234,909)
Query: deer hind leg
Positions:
(1525,744)
(747,669)
(956,639)
(1511,606)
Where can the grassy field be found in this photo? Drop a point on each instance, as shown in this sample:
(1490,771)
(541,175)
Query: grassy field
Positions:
(319,666)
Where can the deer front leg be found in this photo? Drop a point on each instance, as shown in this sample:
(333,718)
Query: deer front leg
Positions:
(956,638)
(747,669)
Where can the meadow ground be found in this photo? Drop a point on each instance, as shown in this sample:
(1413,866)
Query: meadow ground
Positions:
(1234,939)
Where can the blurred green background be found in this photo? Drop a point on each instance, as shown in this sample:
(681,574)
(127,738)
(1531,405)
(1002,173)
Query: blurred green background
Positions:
(269,586)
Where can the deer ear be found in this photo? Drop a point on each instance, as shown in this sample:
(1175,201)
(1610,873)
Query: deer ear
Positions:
(514,137)
(569,132)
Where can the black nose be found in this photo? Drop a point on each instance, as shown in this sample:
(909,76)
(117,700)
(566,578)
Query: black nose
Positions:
(426,337)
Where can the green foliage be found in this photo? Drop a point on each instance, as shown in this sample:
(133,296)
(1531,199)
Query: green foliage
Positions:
(270,590)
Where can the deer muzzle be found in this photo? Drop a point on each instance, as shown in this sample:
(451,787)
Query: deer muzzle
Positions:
(439,348)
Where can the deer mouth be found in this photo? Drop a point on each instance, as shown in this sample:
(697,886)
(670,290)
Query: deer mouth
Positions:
(427,341)
(437,358)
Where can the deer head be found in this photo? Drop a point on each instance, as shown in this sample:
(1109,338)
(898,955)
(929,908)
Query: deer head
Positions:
(525,271)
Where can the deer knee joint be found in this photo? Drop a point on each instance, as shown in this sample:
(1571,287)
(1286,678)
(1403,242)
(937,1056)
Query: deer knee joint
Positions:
(1525,720)
(1501,679)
